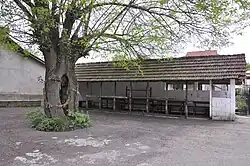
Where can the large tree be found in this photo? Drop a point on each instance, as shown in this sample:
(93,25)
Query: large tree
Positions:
(66,30)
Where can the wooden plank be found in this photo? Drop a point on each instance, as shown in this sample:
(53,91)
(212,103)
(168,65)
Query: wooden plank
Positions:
(95,96)
(114,101)
(100,98)
(147,95)
(186,101)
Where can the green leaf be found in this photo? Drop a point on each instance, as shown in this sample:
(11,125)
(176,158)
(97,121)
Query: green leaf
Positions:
(162,2)
(248,66)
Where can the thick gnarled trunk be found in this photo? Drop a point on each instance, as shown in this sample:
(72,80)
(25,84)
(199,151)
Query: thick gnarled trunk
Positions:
(61,88)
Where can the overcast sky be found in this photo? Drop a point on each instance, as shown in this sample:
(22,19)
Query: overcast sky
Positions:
(241,45)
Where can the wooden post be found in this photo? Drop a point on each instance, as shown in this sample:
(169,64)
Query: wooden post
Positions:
(90,87)
(210,98)
(196,86)
(100,96)
(166,100)
(130,97)
(114,96)
(233,101)
(78,94)
(186,101)
(147,96)
(87,102)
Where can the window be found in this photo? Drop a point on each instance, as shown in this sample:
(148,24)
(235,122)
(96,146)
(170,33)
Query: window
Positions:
(178,86)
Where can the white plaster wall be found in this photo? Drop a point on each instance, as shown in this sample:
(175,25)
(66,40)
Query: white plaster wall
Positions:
(248,82)
(223,103)
(20,75)
(221,108)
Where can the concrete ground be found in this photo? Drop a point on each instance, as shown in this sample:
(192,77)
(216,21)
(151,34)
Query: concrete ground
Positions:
(125,140)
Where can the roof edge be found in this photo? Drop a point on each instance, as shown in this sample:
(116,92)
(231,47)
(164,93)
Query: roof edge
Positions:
(184,57)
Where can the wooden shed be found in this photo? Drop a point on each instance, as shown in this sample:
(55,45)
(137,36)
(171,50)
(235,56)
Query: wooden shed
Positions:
(189,86)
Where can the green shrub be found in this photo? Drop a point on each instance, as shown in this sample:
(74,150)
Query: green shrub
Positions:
(41,122)
(241,102)
(79,120)
(51,124)
(35,117)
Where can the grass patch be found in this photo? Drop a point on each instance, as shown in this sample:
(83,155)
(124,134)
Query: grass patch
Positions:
(41,122)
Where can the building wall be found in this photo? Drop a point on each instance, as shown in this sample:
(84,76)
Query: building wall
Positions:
(221,108)
(223,103)
(248,81)
(20,75)
(157,90)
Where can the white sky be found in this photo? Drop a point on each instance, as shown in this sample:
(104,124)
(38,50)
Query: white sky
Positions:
(241,45)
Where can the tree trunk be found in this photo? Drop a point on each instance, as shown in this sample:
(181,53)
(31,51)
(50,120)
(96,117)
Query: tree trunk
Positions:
(61,88)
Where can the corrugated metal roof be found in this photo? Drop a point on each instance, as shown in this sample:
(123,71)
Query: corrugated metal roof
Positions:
(216,67)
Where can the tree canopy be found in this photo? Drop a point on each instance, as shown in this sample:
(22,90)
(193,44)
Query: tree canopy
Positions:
(127,28)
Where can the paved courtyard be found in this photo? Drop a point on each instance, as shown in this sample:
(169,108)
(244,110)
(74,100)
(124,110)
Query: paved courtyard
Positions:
(125,140)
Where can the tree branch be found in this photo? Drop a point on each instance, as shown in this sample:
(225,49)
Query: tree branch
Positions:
(23,8)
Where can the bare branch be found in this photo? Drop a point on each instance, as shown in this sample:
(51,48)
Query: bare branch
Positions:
(23,8)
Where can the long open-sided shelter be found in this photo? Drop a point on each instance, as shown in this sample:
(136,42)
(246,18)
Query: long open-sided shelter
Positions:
(190,86)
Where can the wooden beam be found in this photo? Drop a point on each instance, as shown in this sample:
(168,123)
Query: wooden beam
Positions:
(114,99)
(166,100)
(186,101)
(147,95)
(130,97)
(100,96)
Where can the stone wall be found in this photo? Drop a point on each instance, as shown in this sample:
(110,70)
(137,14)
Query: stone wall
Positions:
(15,96)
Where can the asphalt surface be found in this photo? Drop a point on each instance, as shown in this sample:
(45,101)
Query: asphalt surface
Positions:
(125,140)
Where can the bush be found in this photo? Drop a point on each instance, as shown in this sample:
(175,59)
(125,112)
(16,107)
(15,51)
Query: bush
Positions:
(41,122)
(79,120)
(35,117)
(241,102)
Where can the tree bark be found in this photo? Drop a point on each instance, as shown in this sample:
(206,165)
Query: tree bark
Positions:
(61,87)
